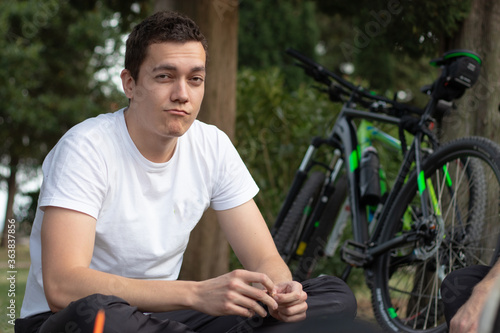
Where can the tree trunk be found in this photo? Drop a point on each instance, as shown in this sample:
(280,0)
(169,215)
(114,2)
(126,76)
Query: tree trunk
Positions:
(478,110)
(208,252)
(11,193)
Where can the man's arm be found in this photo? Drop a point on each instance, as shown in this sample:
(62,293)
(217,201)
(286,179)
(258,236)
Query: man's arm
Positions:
(252,243)
(466,320)
(67,247)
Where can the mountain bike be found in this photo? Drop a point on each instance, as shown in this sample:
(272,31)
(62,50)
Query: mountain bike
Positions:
(435,211)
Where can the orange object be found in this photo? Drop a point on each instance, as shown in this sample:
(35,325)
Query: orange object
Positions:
(99,322)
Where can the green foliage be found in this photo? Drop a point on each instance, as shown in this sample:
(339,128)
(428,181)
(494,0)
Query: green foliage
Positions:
(404,26)
(46,53)
(383,37)
(268,28)
(273,129)
(50,51)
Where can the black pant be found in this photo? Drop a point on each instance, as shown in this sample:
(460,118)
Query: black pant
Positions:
(456,288)
(328,297)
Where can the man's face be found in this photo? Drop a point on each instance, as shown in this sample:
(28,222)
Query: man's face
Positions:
(167,95)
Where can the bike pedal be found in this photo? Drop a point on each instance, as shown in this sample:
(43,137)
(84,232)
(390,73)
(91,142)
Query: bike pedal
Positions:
(354,253)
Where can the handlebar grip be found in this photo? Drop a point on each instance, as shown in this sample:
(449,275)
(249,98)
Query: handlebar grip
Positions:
(323,75)
(302,58)
(317,71)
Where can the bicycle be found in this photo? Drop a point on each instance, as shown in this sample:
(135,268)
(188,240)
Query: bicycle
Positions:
(438,214)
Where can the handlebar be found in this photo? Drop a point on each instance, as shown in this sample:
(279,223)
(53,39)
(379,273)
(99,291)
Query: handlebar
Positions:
(343,87)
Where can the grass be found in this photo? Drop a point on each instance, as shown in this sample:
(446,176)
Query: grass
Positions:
(9,294)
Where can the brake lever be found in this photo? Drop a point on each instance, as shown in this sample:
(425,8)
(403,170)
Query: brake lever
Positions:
(315,73)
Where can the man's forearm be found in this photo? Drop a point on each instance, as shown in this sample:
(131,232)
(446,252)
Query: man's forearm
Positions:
(484,287)
(147,295)
(275,268)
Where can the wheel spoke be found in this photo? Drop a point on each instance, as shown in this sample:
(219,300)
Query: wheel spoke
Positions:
(467,191)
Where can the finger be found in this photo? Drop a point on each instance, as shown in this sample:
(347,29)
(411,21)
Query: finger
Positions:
(251,307)
(257,293)
(291,298)
(238,310)
(256,296)
(290,287)
(290,311)
(292,314)
(292,319)
(262,279)
(247,296)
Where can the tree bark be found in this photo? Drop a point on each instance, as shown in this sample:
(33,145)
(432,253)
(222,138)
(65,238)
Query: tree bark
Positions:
(208,252)
(478,110)
(11,193)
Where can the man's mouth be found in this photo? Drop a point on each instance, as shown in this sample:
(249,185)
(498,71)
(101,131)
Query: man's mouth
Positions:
(177,112)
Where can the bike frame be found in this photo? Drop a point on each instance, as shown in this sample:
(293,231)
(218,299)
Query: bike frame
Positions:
(344,134)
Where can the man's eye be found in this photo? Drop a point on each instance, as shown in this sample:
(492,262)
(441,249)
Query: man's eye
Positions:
(163,76)
(197,80)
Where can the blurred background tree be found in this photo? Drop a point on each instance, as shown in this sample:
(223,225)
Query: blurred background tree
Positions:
(384,45)
(50,52)
(58,59)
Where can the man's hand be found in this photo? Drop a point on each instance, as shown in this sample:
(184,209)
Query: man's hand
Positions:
(255,249)
(233,294)
(466,320)
(291,301)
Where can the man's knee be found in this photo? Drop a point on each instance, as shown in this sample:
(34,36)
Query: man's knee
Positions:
(79,316)
(453,287)
(86,308)
(330,295)
(458,284)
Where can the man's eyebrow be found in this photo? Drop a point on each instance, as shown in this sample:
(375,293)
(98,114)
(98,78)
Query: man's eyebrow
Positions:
(169,67)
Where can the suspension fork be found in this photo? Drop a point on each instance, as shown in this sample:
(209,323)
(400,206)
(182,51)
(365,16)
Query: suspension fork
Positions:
(344,129)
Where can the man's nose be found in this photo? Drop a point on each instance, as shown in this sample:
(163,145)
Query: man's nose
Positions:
(180,92)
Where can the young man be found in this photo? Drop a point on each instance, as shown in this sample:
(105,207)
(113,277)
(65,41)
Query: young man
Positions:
(122,192)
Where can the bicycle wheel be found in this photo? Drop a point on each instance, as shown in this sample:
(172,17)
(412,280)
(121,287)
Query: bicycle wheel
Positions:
(463,178)
(316,245)
(286,236)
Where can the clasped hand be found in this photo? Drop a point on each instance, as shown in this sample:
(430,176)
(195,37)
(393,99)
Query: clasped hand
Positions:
(233,294)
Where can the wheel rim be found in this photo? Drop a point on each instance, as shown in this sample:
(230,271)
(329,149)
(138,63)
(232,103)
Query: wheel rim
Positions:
(412,298)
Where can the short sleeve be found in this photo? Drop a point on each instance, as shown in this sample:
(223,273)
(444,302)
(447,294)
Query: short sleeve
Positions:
(74,176)
(234,185)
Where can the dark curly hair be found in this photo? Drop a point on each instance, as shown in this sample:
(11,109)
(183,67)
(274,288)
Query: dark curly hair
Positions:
(163,26)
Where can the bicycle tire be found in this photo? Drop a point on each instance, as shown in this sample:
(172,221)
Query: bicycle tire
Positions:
(300,209)
(406,284)
(316,245)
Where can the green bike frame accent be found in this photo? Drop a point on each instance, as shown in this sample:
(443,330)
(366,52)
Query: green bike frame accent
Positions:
(421,183)
(458,54)
(447,176)
(392,313)
(434,199)
(354,160)
(367,133)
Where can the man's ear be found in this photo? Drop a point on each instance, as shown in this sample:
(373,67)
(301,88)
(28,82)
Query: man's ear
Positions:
(128,83)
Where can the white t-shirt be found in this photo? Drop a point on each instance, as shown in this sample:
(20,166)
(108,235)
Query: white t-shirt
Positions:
(145,211)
